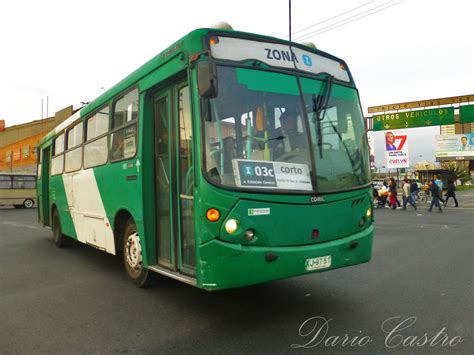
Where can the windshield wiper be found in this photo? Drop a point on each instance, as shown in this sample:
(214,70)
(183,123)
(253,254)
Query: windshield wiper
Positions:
(320,104)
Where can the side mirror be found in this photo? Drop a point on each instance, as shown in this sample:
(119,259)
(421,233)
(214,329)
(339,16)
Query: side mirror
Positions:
(207,79)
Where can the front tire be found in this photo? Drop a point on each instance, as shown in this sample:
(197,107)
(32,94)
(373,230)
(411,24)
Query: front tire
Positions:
(28,203)
(133,257)
(59,239)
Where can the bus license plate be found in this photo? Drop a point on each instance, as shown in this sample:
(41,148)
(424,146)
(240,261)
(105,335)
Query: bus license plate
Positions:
(321,262)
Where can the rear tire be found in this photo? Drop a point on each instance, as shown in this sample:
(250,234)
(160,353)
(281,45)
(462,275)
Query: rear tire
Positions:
(28,203)
(132,257)
(59,239)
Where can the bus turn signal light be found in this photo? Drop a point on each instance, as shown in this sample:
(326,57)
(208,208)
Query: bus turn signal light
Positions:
(213,214)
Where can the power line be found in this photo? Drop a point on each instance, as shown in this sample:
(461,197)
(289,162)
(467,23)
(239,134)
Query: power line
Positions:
(345,21)
(331,18)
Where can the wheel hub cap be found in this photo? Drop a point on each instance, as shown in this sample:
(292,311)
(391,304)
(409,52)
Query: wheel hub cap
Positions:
(133,251)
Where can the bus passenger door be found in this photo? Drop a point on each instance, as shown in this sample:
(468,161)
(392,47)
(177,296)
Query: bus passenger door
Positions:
(43,188)
(163,180)
(174,179)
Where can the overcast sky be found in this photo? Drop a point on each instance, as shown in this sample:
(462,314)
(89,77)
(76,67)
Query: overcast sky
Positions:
(70,50)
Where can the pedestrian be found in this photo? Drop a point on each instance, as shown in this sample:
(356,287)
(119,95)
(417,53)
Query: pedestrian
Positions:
(392,186)
(375,196)
(451,193)
(414,191)
(406,195)
(434,190)
(440,185)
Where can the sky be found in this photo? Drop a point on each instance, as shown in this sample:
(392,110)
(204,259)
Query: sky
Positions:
(70,51)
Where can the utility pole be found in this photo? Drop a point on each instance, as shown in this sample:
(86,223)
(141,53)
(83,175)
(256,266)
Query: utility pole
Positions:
(289,12)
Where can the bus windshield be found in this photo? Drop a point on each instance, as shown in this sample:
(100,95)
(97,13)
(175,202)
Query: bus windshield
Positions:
(263,133)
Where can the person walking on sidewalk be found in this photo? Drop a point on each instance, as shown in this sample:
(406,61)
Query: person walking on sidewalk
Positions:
(392,186)
(406,195)
(440,185)
(434,190)
(451,193)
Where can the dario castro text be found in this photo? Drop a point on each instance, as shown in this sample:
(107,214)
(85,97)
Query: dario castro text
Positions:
(395,332)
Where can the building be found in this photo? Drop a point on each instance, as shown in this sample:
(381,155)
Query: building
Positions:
(18,143)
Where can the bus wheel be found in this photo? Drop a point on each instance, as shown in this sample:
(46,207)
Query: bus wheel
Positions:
(59,239)
(28,203)
(132,257)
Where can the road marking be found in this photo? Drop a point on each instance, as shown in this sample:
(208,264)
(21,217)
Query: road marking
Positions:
(434,225)
(21,225)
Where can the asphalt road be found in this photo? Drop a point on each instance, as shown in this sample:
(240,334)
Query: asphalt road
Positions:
(419,285)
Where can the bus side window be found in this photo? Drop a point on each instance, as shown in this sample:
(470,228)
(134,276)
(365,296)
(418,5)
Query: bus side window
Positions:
(125,109)
(5,182)
(96,149)
(57,162)
(18,182)
(124,143)
(30,182)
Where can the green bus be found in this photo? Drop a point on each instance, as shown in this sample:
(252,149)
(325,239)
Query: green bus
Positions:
(227,160)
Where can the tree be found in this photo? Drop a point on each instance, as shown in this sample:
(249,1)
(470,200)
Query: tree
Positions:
(461,174)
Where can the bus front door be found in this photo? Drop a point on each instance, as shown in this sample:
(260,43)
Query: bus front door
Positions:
(43,188)
(174,179)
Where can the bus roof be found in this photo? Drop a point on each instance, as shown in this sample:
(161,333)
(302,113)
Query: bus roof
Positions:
(188,44)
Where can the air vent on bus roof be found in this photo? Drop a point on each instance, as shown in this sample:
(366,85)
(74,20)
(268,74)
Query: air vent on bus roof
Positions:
(221,25)
(309,44)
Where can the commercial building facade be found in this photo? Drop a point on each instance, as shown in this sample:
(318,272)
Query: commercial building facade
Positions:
(18,143)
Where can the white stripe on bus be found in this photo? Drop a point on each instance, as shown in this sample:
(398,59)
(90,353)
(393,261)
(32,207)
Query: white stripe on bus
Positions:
(87,210)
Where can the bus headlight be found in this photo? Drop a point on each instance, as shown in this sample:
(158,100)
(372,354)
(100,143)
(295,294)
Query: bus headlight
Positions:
(369,213)
(231,225)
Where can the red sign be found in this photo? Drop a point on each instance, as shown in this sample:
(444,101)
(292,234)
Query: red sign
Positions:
(2,125)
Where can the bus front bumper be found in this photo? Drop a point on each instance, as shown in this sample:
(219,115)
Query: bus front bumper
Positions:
(226,265)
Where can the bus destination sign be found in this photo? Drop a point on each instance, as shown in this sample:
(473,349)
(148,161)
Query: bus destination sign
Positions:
(277,55)
(271,175)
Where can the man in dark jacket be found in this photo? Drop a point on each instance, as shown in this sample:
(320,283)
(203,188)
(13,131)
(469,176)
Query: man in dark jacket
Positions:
(451,193)
(435,193)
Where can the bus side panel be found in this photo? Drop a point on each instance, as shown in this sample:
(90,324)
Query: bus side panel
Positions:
(17,196)
(120,188)
(58,198)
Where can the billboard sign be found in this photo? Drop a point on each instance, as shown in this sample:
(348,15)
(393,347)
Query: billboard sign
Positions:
(396,150)
(455,146)
(466,114)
